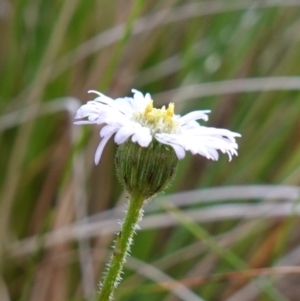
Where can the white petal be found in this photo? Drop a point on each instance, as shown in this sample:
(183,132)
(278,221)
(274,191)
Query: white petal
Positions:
(209,153)
(179,150)
(94,91)
(116,105)
(142,136)
(198,141)
(113,118)
(100,149)
(93,117)
(218,132)
(190,125)
(83,122)
(123,134)
(85,111)
(145,141)
(125,106)
(140,101)
(108,130)
(193,116)
(137,95)
(148,97)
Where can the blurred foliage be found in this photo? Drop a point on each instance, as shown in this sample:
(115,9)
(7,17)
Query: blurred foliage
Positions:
(238,58)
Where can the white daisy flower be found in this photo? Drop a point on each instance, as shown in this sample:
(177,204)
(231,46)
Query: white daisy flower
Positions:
(135,118)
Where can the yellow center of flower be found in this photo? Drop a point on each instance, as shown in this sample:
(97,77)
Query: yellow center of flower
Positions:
(158,120)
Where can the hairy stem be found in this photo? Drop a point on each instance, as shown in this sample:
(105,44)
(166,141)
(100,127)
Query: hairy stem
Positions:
(121,248)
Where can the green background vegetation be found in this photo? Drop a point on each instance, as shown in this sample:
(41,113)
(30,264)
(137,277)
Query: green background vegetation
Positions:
(223,231)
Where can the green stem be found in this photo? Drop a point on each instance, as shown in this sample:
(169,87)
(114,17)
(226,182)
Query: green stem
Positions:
(121,248)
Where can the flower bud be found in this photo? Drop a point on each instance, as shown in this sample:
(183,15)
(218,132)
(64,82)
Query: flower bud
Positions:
(145,171)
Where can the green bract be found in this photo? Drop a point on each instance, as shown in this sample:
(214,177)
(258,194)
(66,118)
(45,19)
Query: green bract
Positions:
(145,171)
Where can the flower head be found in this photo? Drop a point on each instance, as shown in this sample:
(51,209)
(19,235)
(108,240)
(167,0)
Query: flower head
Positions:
(135,118)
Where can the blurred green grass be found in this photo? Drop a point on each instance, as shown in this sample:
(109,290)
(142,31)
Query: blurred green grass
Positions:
(57,218)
